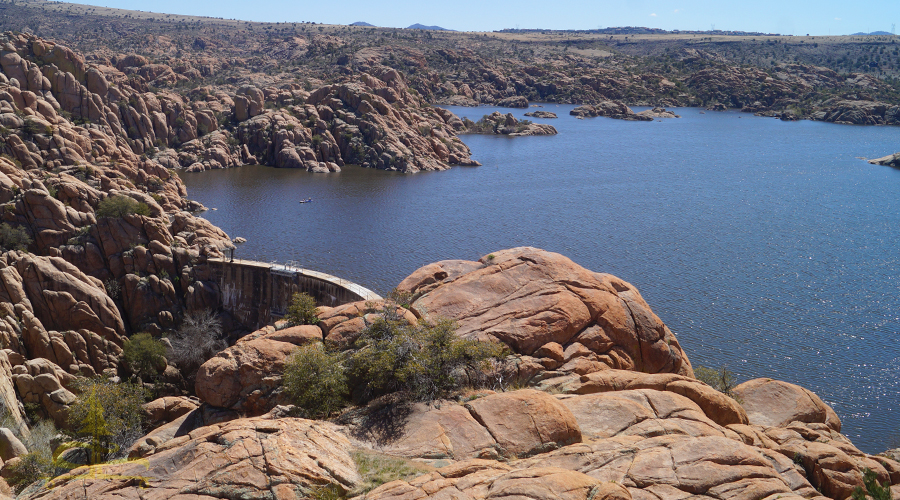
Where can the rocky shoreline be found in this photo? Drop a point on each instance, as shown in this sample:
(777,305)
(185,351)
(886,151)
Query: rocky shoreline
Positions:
(609,408)
(595,397)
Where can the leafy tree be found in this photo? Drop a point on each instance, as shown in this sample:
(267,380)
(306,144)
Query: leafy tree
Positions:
(144,355)
(108,415)
(14,237)
(119,206)
(95,426)
(316,380)
(302,310)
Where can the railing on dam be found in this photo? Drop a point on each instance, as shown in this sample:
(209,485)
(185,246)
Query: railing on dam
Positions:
(258,293)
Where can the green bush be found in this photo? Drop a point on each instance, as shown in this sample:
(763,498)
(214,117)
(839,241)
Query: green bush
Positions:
(302,310)
(722,380)
(108,416)
(424,362)
(873,490)
(120,206)
(144,355)
(316,380)
(34,466)
(14,237)
(39,463)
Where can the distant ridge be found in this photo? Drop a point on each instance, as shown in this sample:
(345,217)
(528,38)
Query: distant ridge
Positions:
(418,26)
(872,33)
(361,23)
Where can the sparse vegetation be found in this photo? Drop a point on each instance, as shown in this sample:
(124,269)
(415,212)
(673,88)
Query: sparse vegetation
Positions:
(14,237)
(722,380)
(873,490)
(120,206)
(377,469)
(423,362)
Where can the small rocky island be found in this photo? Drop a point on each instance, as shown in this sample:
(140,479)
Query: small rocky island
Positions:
(541,114)
(497,123)
(888,161)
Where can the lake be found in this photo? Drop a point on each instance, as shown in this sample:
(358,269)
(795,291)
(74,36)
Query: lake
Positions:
(768,247)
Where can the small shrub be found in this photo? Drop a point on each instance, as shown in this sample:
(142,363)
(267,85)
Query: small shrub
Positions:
(108,416)
(302,310)
(112,288)
(873,490)
(197,339)
(39,462)
(722,380)
(316,380)
(34,466)
(119,206)
(144,354)
(424,362)
(14,237)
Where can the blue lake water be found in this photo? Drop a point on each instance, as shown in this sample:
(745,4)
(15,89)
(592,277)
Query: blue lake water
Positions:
(766,246)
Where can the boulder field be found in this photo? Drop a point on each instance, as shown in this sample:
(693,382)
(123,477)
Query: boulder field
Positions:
(609,409)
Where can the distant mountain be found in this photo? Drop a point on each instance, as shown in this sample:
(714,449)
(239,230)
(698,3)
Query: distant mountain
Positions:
(360,23)
(418,26)
(872,33)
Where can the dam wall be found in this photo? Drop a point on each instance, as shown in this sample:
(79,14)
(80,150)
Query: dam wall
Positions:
(259,293)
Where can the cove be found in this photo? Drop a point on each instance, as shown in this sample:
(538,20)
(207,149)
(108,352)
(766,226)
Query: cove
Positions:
(766,246)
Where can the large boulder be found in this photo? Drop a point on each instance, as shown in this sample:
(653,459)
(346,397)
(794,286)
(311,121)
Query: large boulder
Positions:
(775,403)
(717,407)
(828,459)
(509,424)
(526,422)
(10,445)
(642,412)
(529,298)
(678,466)
(252,458)
(247,376)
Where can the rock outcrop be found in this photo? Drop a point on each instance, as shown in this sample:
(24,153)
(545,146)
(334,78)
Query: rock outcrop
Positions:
(888,161)
(774,403)
(246,458)
(541,114)
(246,377)
(499,124)
(658,113)
(609,109)
(543,305)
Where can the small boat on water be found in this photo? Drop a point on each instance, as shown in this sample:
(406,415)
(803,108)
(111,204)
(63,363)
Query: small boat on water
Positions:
(306,200)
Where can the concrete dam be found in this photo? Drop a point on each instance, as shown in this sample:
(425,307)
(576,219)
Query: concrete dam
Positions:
(259,293)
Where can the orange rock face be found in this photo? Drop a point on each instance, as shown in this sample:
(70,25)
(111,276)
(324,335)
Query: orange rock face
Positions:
(529,298)
(246,458)
(775,403)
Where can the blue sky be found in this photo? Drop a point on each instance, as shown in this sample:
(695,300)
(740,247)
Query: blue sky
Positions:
(795,17)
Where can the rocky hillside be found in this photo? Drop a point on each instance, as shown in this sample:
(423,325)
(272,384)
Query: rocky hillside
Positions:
(837,79)
(609,409)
